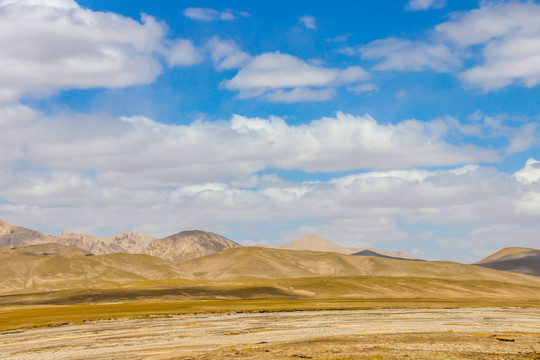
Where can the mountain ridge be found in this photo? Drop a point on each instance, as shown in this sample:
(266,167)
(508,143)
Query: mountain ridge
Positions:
(183,245)
(313,242)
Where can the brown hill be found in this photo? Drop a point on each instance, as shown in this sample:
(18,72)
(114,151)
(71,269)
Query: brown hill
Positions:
(514,259)
(257,262)
(56,267)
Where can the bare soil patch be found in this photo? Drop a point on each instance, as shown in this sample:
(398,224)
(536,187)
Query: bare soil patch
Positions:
(464,333)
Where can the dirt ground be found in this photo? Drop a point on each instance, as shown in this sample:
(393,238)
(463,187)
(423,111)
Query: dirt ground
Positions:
(492,333)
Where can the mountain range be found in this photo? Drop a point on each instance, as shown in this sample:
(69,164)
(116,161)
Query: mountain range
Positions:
(34,262)
(184,245)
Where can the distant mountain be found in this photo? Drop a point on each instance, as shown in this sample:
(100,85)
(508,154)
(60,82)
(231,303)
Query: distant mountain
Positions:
(189,245)
(12,235)
(514,259)
(126,242)
(376,254)
(312,243)
(184,245)
(316,243)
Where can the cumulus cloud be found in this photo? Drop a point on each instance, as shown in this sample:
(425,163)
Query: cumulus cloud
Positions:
(470,195)
(309,22)
(175,154)
(183,52)
(406,55)
(530,173)
(501,39)
(510,36)
(283,77)
(226,54)
(111,172)
(54,45)
(416,5)
(208,15)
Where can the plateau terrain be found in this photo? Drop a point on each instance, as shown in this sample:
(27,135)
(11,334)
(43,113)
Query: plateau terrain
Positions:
(136,297)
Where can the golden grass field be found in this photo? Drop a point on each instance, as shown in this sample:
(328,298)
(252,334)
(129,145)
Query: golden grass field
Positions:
(172,297)
(256,303)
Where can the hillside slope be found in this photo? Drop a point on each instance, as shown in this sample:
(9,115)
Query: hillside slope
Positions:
(55,266)
(514,259)
(259,263)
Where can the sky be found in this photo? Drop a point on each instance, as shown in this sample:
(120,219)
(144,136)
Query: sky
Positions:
(407,125)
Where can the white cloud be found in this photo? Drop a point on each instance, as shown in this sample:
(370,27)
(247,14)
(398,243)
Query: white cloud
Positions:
(510,35)
(226,54)
(354,210)
(488,239)
(339,38)
(523,138)
(520,136)
(530,173)
(138,151)
(308,21)
(361,88)
(53,45)
(283,77)
(301,94)
(501,40)
(406,55)
(208,15)
(183,52)
(416,5)
(104,172)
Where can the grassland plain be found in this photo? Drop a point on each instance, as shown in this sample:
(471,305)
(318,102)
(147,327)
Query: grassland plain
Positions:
(171,297)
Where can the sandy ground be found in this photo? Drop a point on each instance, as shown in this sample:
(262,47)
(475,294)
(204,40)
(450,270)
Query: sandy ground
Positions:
(363,334)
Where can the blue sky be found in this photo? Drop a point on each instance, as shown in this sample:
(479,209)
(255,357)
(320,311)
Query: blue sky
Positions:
(406,125)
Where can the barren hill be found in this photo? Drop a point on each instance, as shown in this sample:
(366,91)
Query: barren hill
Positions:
(257,262)
(53,266)
(57,267)
(514,259)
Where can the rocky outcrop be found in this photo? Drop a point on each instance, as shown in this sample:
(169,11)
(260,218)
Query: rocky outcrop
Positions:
(189,245)
(184,245)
